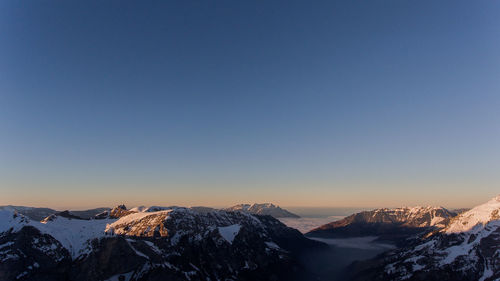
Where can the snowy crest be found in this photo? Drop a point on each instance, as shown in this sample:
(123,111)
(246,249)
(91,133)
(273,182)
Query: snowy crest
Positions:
(10,220)
(476,218)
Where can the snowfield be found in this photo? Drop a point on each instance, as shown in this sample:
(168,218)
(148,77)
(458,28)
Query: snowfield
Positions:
(229,232)
(476,218)
(73,234)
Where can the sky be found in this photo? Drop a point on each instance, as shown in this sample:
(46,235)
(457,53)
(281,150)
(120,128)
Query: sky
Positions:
(325,103)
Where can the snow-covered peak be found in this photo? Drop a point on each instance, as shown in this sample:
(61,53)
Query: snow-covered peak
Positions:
(476,218)
(465,249)
(417,216)
(149,209)
(410,210)
(262,205)
(239,207)
(156,208)
(11,220)
(175,220)
(234,243)
(262,209)
(404,219)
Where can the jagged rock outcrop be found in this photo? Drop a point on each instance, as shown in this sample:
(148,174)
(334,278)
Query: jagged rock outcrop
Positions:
(115,213)
(263,209)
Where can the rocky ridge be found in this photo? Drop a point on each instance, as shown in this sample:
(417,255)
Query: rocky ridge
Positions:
(395,225)
(263,209)
(174,244)
(467,248)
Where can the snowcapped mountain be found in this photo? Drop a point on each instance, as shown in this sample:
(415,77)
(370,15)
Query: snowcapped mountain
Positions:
(31,212)
(263,209)
(475,219)
(167,244)
(467,248)
(39,214)
(87,214)
(151,208)
(389,224)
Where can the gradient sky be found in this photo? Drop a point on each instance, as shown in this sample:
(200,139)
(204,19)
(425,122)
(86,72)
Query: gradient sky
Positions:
(330,103)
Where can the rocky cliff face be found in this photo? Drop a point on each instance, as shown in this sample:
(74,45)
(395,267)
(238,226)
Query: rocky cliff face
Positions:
(263,209)
(467,248)
(394,225)
(173,244)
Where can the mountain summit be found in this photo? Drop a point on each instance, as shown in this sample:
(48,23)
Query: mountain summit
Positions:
(394,225)
(477,218)
(263,209)
(466,248)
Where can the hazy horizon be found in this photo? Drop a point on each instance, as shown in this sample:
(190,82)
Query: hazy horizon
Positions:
(324,104)
(312,209)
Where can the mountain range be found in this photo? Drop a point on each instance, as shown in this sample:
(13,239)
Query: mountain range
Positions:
(169,244)
(393,225)
(263,209)
(466,248)
(39,214)
(244,242)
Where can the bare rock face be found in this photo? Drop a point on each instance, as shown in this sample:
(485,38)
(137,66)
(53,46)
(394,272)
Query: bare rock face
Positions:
(144,224)
(173,244)
(263,209)
(119,211)
(115,213)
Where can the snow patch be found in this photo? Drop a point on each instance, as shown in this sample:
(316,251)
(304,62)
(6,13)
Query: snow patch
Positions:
(129,242)
(73,234)
(229,232)
(273,245)
(153,247)
(10,220)
(6,244)
(486,274)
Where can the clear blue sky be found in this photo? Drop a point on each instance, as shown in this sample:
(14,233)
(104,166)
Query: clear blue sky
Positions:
(330,103)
